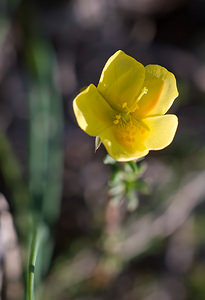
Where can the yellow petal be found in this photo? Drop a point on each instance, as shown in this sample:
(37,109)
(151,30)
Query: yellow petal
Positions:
(162,91)
(92,112)
(161,131)
(125,143)
(121,80)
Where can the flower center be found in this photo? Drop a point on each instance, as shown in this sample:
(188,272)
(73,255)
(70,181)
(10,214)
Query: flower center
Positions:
(124,117)
(130,130)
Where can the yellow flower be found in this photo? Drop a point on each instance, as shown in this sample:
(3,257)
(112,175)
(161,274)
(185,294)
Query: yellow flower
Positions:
(126,110)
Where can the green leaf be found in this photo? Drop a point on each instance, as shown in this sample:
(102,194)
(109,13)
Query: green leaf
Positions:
(132,200)
(108,160)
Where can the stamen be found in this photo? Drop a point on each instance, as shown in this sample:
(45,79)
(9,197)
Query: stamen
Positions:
(124,105)
(116,121)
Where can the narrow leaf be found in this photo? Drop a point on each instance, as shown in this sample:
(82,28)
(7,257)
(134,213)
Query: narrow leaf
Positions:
(97,143)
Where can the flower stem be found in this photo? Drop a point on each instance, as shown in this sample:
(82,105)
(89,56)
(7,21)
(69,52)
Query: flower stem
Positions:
(35,243)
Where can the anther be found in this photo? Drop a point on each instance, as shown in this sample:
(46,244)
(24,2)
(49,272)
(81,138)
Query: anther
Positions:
(116,122)
(118,117)
(124,105)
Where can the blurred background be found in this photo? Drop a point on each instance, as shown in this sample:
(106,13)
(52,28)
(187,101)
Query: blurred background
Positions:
(97,250)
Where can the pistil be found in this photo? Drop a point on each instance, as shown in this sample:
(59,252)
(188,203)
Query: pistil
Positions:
(143,92)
